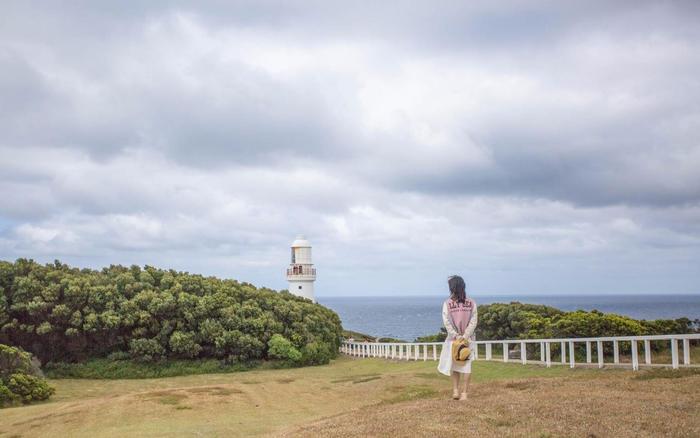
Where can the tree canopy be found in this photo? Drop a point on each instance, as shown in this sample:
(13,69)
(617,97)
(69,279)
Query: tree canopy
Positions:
(60,313)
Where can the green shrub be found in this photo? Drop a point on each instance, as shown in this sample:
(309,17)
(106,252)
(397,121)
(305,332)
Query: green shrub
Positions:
(64,314)
(184,345)
(119,356)
(13,360)
(29,388)
(315,353)
(440,337)
(7,397)
(18,384)
(146,350)
(283,349)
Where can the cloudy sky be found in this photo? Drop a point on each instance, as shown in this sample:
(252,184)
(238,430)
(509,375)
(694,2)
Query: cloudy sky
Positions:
(534,147)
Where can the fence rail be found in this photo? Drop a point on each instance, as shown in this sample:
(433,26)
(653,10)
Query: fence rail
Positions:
(431,350)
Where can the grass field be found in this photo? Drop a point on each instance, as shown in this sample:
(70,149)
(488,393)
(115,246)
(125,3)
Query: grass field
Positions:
(368,397)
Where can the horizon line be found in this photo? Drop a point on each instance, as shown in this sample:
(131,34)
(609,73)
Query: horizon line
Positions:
(519,295)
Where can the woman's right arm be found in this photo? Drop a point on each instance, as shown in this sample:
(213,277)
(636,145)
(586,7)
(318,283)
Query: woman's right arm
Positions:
(451,331)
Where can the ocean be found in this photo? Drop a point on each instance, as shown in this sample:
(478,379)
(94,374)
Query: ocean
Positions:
(408,317)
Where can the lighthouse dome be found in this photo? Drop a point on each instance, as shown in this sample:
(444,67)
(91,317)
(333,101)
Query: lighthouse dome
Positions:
(301,242)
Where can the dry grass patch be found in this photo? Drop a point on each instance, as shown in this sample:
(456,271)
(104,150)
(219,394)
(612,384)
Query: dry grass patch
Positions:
(257,402)
(614,405)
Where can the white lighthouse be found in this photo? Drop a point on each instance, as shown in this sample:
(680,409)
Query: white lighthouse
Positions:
(301,273)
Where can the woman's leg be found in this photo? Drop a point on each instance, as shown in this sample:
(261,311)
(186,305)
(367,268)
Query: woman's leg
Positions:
(465,385)
(455,384)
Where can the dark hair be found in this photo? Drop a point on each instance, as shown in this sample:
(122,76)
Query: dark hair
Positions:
(457,288)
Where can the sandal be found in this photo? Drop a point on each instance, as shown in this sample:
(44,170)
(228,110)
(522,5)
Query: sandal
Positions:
(463,397)
(455,395)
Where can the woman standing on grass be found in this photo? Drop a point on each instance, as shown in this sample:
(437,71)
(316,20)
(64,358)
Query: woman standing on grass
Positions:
(460,318)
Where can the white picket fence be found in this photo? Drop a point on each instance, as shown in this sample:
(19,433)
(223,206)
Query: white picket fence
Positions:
(431,350)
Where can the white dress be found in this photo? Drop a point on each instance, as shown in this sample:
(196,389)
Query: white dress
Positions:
(447,365)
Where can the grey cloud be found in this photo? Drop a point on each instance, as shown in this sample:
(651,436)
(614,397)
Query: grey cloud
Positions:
(445,135)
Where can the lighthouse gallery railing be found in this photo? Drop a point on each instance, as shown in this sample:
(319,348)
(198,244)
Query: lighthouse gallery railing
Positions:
(431,350)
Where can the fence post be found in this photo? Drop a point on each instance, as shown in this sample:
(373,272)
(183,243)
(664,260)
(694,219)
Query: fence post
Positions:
(588,352)
(616,352)
(488,351)
(434,351)
(686,351)
(572,358)
(635,358)
(563,352)
(425,352)
(548,349)
(476,351)
(599,349)
(674,353)
(542,352)
(505,352)
(647,351)
(523,353)
(416,352)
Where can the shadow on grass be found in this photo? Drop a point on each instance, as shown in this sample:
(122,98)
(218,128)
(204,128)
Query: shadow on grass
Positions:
(666,373)
(409,393)
(360,378)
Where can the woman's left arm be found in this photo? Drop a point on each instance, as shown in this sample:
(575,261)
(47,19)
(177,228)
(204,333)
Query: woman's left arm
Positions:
(469,331)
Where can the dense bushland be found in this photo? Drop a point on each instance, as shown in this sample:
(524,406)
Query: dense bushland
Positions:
(64,314)
(19,382)
(533,321)
(517,320)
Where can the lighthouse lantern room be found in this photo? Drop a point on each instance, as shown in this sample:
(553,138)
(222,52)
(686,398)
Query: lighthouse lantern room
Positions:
(301,273)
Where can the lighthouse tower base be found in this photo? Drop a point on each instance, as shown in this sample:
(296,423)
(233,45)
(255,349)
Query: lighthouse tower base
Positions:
(302,288)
